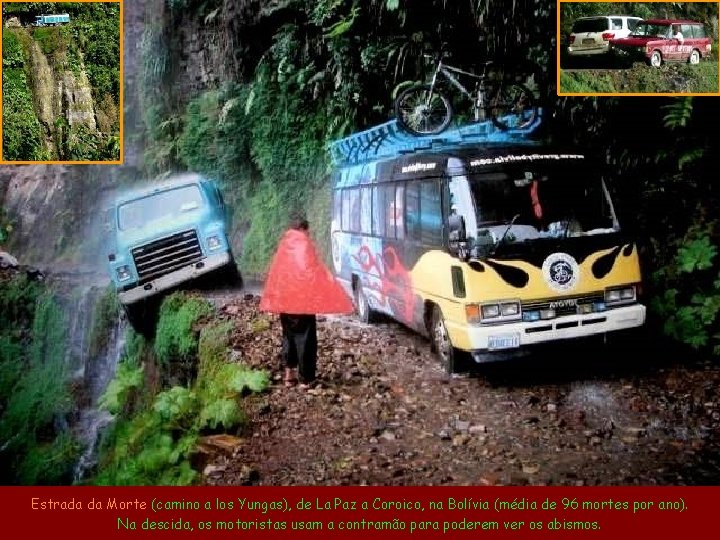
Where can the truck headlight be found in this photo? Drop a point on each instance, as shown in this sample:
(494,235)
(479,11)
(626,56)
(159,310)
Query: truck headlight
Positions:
(123,273)
(620,295)
(213,242)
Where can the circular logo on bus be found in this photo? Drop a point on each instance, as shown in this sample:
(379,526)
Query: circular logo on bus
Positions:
(561,271)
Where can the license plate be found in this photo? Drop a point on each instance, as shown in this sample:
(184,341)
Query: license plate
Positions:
(504,341)
(589,41)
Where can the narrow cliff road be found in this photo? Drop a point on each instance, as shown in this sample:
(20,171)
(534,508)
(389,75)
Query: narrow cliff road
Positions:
(384,412)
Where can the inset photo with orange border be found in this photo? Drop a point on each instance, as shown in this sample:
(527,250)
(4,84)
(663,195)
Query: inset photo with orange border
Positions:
(637,48)
(61,82)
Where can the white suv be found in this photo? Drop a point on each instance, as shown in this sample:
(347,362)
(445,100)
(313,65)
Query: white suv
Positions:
(592,35)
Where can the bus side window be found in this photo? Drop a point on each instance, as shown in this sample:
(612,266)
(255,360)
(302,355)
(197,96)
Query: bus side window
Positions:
(365,214)
(412,210)
(431,213)
(400,211)
(355,210)
(345,225)
(378,221)
(337,206)
(389,211)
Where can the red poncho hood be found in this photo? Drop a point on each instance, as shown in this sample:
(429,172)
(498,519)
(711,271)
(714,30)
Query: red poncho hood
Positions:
(298,282)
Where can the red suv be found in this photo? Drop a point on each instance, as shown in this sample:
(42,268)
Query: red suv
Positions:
(664,40)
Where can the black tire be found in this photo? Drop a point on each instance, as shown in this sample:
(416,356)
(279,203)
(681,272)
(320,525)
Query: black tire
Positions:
(416,116)
(365,313)
(441,344)
(513,99)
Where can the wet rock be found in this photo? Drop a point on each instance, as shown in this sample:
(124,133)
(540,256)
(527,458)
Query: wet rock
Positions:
(214,470)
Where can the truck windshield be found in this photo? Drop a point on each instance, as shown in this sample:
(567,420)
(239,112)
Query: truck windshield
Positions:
(137,213)
(523,203)
(651,30)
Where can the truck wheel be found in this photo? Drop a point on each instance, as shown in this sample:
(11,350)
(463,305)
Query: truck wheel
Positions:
(694,57)
(656,59)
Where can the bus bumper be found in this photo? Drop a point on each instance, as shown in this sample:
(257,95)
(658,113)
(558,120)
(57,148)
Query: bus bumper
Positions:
(210,263)
(512,336)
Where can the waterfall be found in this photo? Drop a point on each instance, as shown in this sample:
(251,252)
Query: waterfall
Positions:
(93,371)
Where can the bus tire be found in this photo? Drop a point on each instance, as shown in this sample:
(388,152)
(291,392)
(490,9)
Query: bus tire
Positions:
(441,344)
(365,313)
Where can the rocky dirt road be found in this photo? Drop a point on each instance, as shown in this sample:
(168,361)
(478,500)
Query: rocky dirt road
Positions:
(385,413)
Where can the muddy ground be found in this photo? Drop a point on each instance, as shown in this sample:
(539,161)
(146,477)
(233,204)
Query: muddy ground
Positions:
(385,413)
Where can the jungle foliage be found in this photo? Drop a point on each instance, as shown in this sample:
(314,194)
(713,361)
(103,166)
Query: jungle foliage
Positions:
(161,409)
(36,446)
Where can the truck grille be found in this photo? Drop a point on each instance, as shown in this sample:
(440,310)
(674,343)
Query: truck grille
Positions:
(166,255)
(563,306)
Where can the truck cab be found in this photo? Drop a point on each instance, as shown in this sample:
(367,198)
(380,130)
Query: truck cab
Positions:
(165,235)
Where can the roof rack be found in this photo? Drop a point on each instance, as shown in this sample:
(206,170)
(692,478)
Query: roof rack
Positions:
(390,140)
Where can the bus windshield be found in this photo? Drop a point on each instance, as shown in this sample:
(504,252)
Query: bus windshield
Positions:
(140,212)
(523,203)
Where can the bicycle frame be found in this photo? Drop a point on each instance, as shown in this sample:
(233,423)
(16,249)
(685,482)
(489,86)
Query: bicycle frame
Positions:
(448,71)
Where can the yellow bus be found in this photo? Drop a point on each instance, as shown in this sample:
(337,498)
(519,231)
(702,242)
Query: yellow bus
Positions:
(486,242)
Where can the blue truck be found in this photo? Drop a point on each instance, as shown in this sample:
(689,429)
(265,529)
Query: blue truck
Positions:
(51,20)
(164,235)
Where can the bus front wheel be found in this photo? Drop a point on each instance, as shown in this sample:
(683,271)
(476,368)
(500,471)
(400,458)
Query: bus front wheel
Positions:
(441,344)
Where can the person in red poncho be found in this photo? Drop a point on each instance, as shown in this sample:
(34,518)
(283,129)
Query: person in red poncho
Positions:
(299,286)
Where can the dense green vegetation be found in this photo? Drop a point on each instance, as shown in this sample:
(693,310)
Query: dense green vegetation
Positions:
(23,136)
(158,423)
(88,48)
(680,78)
(640,78)
(36,446)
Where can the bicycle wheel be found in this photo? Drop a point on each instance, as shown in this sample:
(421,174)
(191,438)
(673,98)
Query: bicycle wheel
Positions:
(422,111)
(513,107)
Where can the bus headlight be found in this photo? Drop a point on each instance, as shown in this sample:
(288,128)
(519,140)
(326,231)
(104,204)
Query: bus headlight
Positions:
(620,295)
(494,312)
(490,311)
(123,273)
